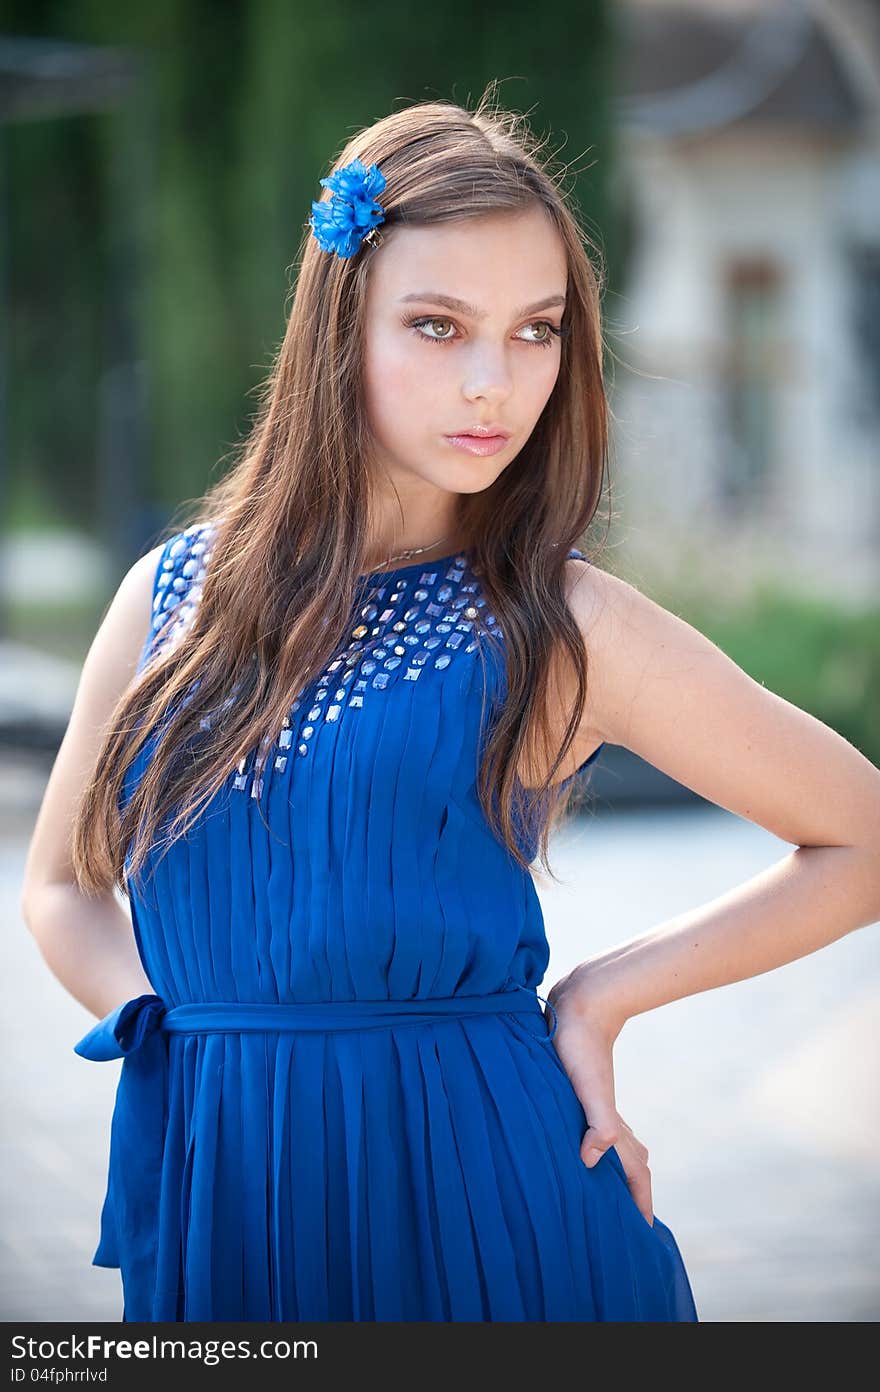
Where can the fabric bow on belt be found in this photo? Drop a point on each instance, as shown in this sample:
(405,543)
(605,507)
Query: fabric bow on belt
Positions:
(130,1213)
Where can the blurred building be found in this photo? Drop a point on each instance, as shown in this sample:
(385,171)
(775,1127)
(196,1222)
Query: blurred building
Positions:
(746,344)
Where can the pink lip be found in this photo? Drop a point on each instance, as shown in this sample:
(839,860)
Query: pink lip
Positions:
(478,444)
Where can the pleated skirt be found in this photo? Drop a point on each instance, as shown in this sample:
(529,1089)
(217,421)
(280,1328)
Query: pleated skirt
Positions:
(426,1171)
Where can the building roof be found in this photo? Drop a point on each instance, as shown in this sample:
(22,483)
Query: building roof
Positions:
(688,68)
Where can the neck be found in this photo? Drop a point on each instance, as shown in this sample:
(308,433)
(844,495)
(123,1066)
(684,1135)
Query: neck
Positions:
(439,543)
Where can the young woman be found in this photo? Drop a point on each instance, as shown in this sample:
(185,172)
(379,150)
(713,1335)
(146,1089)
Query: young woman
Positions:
(322,734)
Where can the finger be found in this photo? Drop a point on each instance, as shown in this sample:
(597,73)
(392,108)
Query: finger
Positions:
(640,1188)
(638,1178)
(596,1140)
(639,1149)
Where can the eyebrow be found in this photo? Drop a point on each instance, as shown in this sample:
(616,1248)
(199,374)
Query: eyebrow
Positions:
(474,311)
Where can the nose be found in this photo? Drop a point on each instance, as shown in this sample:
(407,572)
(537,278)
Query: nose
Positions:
(488,377)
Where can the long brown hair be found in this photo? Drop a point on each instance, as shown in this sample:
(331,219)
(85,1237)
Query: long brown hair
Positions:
(290,519)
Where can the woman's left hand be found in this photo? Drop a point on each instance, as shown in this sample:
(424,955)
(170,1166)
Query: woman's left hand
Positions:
(586,1031)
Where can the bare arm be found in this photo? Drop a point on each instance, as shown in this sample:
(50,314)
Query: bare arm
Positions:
(663,690)
(88,942)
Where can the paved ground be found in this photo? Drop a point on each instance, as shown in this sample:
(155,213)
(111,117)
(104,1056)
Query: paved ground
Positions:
(759,1102)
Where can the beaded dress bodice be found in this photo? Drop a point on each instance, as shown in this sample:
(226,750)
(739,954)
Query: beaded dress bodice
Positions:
(355,836)
(408,623)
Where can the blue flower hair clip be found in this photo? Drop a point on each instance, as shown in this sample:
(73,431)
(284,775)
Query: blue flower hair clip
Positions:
(351,216)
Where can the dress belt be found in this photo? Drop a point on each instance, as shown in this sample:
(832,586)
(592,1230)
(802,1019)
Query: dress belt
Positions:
(128,1027)
(211,1017)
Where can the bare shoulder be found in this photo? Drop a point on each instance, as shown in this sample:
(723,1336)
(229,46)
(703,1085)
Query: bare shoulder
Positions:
(664,690)
(113,656)
(645,660)
(615,620)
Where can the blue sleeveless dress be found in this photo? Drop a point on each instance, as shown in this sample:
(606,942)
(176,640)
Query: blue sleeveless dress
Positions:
(342,1101)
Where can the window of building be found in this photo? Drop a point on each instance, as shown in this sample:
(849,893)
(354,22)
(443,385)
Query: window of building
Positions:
(751,375)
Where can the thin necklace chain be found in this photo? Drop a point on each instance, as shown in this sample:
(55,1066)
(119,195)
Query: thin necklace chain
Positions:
(414,551)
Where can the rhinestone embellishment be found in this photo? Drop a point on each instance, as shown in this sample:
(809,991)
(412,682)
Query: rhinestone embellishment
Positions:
(412,624)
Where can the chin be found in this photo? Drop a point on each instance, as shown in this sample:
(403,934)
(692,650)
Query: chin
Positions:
(481,471)
(470,478)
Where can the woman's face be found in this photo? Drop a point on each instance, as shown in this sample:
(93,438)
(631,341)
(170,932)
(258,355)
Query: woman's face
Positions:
(434,370)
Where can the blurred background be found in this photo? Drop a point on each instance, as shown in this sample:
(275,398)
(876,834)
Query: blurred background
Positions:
(157,165)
